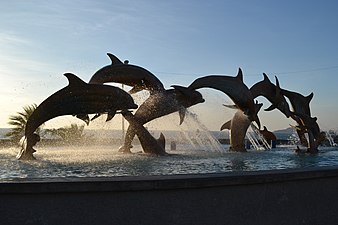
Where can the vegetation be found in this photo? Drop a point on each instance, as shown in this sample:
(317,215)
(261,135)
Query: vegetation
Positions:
(72,133)
(18,122)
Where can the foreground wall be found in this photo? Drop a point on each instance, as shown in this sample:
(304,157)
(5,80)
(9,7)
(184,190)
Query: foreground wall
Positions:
(268,197)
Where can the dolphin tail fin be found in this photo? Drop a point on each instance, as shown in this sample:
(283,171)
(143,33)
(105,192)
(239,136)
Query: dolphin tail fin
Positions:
(27,150)
(23,145)
(226,125)
(161,141)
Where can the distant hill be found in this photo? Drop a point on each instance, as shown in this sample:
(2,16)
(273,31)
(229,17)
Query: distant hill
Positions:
(284,134)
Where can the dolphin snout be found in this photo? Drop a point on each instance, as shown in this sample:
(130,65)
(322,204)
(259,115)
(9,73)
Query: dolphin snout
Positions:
(201,100)
(134,106)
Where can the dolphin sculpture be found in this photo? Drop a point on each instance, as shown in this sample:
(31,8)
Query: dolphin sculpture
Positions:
(268,135)
(273,93)
(124,73)
(161,104)
(306,123)
(149,144)
(300,103)
(76,98)
(234,87)
(238,127)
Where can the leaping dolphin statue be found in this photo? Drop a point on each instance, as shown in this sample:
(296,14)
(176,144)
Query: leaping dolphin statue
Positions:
(238,127)
(268,135)
(149,144)
(273,93)
(234,87)
(161,104)
(306,123)
(76,98)
(124,73)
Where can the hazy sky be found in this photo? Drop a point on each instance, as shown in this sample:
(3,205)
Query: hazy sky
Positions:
(176,40)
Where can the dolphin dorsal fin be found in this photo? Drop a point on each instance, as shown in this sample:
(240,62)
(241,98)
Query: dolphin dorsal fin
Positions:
(278,91)
(266,77)
(74,80)
(309,97)
(114,59)
(240,75)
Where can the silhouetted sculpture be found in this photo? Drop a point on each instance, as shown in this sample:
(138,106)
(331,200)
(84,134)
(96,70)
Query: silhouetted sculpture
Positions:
(301,110)
(306,123)
(161,104)
(81,99)
(148,142)
(77,98)
(234,88)
(273,93)
(238,127)
(269,136)
(124,73)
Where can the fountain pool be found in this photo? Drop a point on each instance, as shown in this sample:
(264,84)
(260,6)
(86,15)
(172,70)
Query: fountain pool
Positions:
(98,185)
(106,161)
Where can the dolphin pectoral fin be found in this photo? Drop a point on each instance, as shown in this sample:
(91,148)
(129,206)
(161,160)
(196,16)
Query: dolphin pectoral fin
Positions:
(96,116)
(114,59)
(231,106)
(270,108)
(84,118)
(161,141)
(182,112)
(226,125)
(110,116)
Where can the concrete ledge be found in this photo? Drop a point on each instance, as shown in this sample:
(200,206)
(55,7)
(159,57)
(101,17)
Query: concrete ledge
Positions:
(295,196)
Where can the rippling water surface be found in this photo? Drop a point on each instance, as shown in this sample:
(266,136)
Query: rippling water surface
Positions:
(106,161)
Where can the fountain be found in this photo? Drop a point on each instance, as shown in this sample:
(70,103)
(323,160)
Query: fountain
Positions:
(166,187)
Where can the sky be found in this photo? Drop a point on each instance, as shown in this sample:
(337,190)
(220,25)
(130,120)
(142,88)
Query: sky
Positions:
(178,41)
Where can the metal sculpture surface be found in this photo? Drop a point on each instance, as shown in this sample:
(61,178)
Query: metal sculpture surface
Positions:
(234,87)
(77,98)
(273,93)
(149,144)
(238,127)
(125,73)
(306,123)
(161,104)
